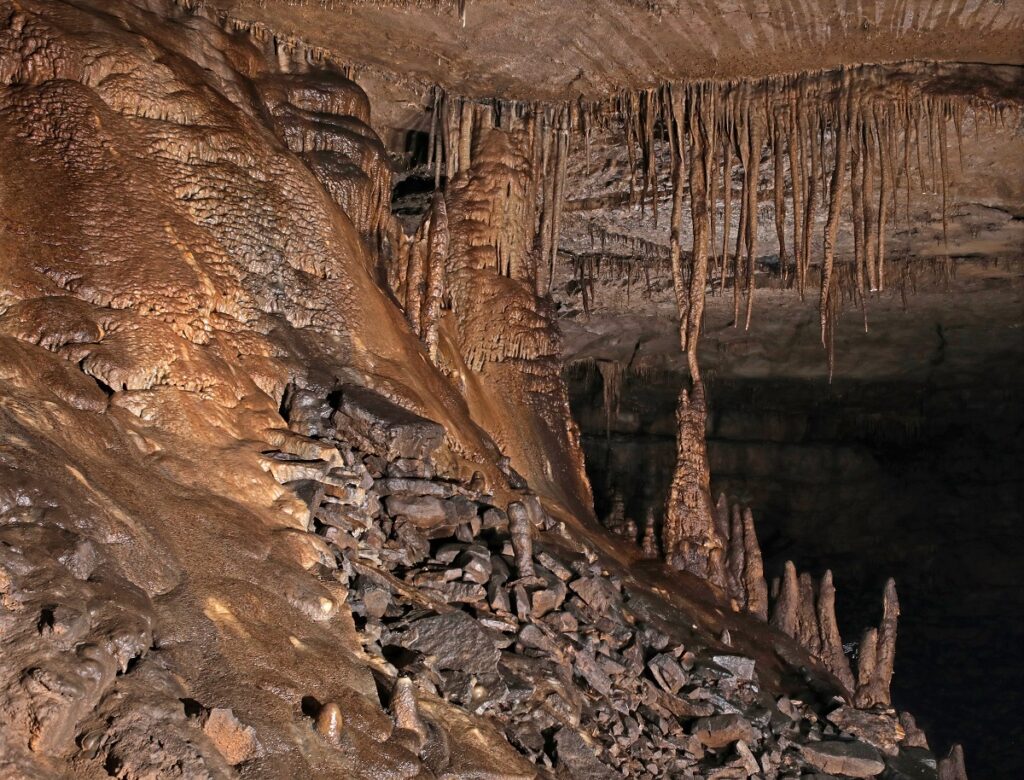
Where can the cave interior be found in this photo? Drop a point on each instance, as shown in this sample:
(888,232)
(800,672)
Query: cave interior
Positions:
(477,389)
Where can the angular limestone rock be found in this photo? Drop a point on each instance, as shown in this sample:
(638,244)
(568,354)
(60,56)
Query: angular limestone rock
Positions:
(455,641)
(719,731)
(847,759)
(385,428)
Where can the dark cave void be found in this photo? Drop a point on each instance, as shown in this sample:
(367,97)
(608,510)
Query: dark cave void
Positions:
(922,482)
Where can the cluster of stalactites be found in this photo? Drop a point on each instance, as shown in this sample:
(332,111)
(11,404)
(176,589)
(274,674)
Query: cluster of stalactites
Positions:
(634,263)
(806,612)
(817,145)
(547,130)
(419,273)
(850,141)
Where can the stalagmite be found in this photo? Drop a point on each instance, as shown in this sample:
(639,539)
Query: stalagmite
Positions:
(414,275)
(690,540)
(649,544)
(521,532)
(329,723)
(737,557)
(406,712)
(915,737)
(786,616)
(867,656)
(873,683)
(831,653)
(807,616)
(753,570)
(952,766)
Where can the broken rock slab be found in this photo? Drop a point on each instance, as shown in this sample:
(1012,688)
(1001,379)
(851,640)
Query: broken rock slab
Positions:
(721,730)
(846,759)
(235,741)
(455,641)
(577,759)
(389,430)
(878,729)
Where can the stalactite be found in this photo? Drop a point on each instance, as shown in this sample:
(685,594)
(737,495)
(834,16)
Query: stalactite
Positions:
(547,203)
(857,177)
(812,193)
(434,283)
(877,272)
(558,193)
(612,374)
(465,135)
(780,199)
(727,136)
(678,283)
(433,155)
(869,208)
(742,137)
(754,174)
(702,140)
(826,305)
(798,182)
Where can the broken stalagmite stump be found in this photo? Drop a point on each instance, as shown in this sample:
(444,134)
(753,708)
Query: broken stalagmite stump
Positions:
(406,712)
(521,532)
(329,723)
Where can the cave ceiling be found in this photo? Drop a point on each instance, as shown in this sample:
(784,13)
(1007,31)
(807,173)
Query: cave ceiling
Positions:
(566,49)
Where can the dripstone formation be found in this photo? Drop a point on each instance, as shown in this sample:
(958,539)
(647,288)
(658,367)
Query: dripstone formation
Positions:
(290,485)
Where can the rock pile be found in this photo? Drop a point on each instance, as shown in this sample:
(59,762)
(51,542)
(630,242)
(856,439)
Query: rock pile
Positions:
(494,610)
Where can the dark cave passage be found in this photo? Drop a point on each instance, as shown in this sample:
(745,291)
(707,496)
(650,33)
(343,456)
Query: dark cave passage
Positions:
(919,481)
